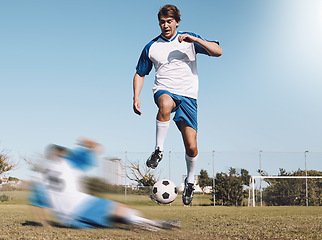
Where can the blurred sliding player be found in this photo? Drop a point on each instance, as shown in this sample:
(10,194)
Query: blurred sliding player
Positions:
(173,55)
(59,190)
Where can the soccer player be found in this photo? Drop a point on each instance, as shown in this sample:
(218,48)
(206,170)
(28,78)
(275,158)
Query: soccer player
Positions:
(173,55)
(59,190)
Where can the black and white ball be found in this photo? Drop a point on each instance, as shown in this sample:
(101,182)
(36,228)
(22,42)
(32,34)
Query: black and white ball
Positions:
(164,191)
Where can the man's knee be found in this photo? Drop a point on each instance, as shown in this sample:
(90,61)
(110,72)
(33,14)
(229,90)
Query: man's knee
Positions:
(166,103)
(192,150)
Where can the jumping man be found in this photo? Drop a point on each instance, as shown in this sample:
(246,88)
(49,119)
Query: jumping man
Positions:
(173,55)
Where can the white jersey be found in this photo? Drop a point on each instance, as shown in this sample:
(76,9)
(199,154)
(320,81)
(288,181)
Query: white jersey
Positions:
(60,191)
(175,65)
(63,188)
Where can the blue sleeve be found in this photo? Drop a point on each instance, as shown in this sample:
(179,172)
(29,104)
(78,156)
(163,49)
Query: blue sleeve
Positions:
(198,48)
(82,158)
(144,65)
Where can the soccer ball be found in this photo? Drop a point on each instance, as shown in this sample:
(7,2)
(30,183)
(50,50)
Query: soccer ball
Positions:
(164,191)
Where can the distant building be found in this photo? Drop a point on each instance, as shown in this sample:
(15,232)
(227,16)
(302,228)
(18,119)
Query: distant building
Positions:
(4,180)
(113,170)
(13,183)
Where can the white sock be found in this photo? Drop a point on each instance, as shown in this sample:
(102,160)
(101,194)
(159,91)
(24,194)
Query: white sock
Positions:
(191,168)
(134,218)
(161,133)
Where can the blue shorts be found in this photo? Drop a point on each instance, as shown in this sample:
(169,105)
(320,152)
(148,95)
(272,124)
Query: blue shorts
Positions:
(94,213)
(185,110)
(38,195)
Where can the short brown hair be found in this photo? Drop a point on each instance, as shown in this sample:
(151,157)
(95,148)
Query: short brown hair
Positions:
(169,11)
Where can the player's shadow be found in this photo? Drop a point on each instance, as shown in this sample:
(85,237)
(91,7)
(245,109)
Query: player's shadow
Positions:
(57,225)
(37,224)
(32,223)
(177,55)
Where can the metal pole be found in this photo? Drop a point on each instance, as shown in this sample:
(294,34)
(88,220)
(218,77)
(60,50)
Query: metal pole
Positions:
(169,165)
(306,192)
(213,175)
(260,181)
(125,187)
(253,183)
(250,183)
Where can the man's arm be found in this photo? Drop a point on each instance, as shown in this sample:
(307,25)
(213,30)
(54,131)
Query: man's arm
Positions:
(138,81)
(211,47)
(91,144)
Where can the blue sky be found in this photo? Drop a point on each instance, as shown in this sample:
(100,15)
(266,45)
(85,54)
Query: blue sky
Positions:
(66,70)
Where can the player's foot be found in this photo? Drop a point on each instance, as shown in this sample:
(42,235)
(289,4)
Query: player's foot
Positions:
(187,194)
(170,224)
(155,158)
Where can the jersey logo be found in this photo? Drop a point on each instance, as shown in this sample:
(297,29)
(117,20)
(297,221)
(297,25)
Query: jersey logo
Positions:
(54,182)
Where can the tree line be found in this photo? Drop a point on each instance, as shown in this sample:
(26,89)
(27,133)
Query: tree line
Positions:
(231,189)
(292,191)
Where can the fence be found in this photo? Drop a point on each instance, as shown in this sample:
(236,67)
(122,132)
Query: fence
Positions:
(173,165)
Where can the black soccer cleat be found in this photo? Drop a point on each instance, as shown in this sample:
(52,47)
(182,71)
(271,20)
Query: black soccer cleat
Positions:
(187,194)
(154,159)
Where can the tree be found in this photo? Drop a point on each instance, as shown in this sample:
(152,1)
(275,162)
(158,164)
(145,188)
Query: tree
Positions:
(293,191)
(204,180)
(244,175)
(13,179)
(142,175)
(6,163)
(229,188)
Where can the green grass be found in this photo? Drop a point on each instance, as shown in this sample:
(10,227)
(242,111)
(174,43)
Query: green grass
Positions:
(15,197)
(144,200)
(20,197)
(198,222)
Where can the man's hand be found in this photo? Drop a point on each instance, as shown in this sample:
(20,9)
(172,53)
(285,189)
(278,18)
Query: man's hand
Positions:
(212,48)
(136,106)
(187,38)
(137,87)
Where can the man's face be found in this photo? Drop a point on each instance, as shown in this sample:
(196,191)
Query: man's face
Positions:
(168,27)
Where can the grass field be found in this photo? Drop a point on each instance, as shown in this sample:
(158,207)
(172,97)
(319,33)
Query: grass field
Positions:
(198,222)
